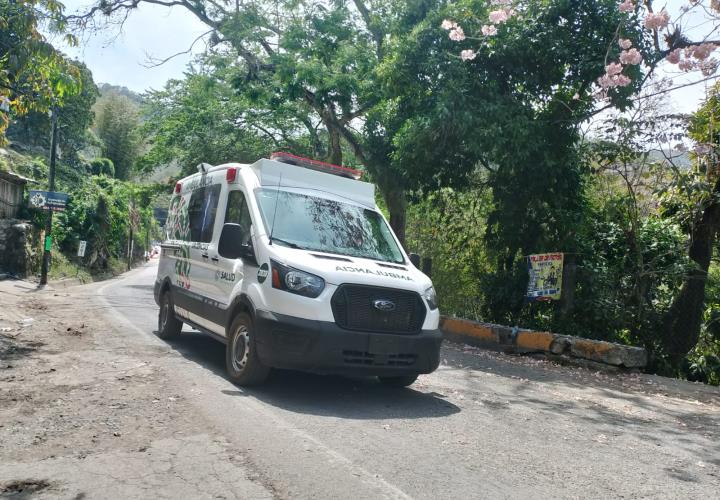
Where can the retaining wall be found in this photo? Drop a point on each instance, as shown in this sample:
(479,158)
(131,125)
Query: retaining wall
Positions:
(16,252)
(520,340)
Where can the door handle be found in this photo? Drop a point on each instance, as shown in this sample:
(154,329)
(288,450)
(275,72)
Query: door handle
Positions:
(205,256)
(214,259)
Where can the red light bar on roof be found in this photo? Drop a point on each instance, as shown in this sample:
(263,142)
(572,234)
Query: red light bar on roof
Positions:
(320,166)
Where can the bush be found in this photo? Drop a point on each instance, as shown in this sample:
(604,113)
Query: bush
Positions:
(99,212)
(102,166)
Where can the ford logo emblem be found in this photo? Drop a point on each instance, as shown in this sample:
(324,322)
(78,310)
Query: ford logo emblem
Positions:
(384,305)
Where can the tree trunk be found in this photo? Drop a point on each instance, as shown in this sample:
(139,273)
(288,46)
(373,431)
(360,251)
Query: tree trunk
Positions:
(397,206)
(683,321)
(569,279)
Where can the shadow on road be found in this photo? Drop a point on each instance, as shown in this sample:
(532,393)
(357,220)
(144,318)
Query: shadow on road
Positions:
(326,395)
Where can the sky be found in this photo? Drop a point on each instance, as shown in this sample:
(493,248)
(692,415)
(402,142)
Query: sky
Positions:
(120,57)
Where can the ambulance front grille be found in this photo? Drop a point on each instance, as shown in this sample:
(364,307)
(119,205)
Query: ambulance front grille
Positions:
(354,309)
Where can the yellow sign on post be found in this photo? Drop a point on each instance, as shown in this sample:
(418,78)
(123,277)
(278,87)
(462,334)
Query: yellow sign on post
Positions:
(545,271)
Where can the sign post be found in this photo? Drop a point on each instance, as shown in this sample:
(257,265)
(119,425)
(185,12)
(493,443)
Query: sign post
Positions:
(545,276)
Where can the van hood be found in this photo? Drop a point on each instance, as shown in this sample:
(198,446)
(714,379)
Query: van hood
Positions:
(339,269)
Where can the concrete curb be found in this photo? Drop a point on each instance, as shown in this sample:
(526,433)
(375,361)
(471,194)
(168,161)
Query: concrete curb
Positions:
(519,340)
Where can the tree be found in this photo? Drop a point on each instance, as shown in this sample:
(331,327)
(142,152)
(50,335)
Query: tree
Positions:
(308,63)
(684,319)
(512,111)
(33,75)
(75,116)
(199,119)
(117,124)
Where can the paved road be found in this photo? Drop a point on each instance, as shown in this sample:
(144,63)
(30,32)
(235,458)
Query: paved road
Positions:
(484,425)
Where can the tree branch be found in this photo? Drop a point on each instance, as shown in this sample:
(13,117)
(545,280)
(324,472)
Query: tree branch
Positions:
(154,62)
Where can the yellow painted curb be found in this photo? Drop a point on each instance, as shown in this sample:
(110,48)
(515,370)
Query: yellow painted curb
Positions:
(591,349)
(534,341)
(469,328)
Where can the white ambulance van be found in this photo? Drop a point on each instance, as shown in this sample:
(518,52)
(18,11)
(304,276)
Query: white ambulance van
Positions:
(289,262)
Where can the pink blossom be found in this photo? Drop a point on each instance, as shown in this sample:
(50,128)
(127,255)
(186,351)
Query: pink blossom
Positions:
(576,96)
(613,69)
(709,67)
(621,80)
(457,34)
(626,6)
(624,43)
(501,2)
(467,54)
(657,20)
(609,80)
(488,30)
(605,81)
(686,65)
(448,24)
(673,57)
(631,56)
(701,51)
(498,16)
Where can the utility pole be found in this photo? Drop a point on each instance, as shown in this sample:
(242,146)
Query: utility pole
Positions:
(51,187)
(131,235)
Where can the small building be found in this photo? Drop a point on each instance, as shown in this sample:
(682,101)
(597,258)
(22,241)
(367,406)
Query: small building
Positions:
(12,189)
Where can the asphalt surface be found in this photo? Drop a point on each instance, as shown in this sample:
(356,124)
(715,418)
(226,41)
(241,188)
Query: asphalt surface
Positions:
(484,425)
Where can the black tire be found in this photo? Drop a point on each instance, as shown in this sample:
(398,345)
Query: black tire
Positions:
(402,381)
(168,324)
(241,359)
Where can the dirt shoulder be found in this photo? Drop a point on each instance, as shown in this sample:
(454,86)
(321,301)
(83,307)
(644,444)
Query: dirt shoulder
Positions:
(83,414)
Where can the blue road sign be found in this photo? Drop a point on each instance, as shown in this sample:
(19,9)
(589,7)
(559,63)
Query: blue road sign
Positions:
(48,200)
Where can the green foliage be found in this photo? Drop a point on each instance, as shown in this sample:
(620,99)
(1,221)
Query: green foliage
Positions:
(117,125)
(75,116)
(33,75)
(703,363)
(618,296)
(511,112)
(197,120)
(102,211)
(102,166)
(448,226)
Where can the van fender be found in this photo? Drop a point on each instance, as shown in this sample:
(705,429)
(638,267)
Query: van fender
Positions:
(240,304)
(161,286)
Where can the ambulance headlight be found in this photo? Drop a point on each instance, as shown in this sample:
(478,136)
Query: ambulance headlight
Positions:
(296,281)
(431,298)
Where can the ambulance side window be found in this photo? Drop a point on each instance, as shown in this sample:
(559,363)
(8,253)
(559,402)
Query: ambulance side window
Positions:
(201,213)
(238,212)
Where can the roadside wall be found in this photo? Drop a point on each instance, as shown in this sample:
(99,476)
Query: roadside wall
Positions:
(16,252)
(520,340)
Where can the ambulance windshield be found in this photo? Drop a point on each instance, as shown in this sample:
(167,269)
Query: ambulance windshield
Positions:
(325,225)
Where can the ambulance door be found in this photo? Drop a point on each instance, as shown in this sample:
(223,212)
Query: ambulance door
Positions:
(202,211)
(229,273)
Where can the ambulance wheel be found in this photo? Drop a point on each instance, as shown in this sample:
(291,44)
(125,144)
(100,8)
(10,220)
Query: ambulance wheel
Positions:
(168,324)
(403,381)
(241,358)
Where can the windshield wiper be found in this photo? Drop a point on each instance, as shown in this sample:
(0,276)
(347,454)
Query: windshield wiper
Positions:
(285,242)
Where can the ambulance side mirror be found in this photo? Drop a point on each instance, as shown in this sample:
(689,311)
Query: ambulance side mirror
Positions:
(231,245)
(415,259)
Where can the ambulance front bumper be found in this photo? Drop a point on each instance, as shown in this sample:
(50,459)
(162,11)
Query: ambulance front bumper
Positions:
(323,347)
